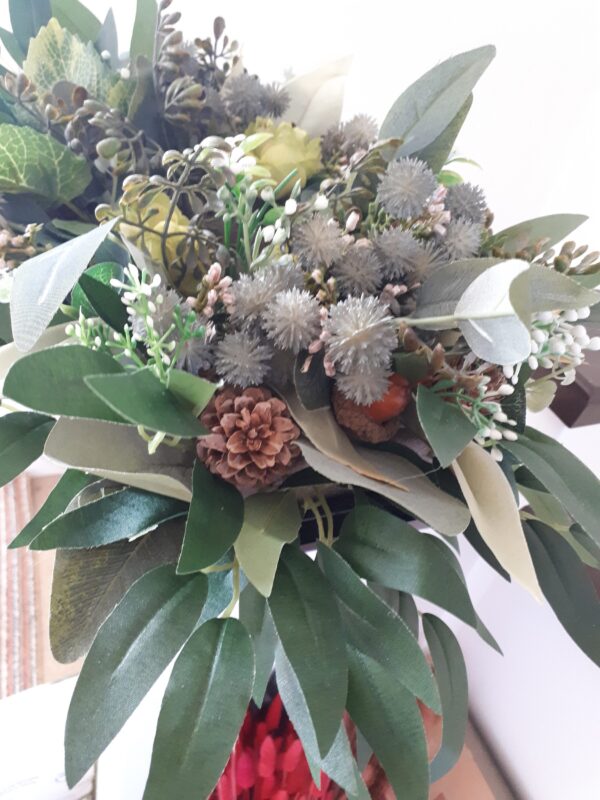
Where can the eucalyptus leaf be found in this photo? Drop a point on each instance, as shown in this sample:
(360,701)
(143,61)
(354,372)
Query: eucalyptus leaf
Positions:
(430,104)
(544,289)
(140,398)
(22,438)
(269,522)
(193,392)
(9,354)
(316,98)
(75,17)
(550,229)
(312,640)
(194,737)
(451,674)
(144,30)
(27,17)
(448,430)
(256,618)
(215,517)
(12,46)
(132,649)
(42,283)
(437,152)
(540,394)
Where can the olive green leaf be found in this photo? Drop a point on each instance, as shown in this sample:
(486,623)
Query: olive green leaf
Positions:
(550,230)
(194,737)
(316,98)
(194,392)
(451,675)
(70,484)
(52,381)
(88,584)
(495,513)
(436,153)
(215,517)
(270,521)
(42,283)
(131,650)
(442,290)
(256,618)
(35,163)
(75,17)
(430,104)
(447,429)
(312,640)
(563,475)
(56,54)
(540,394)
(22,438)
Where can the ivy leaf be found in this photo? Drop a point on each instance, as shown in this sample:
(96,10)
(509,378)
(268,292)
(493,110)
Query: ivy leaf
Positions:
(75,17)
(55,54)
(35,163)
(312,640)
(256,618)
(194,737)
(132,649)
(430,104)
(447,429)
(215,517)
(551,229)
(451,674)
(42,283)
(270,521)
(22,438)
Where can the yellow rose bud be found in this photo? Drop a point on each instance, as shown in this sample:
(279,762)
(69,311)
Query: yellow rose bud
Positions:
(154,216)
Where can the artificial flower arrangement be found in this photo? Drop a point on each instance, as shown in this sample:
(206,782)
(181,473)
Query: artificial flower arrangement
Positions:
(249,331)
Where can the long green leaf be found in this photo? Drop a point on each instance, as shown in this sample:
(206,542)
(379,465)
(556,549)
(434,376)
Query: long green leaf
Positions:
(451,674)
(373,628)
(447,429)
(70,484)
(387,716)
(122,514)
(22,438)
(132,649)
(42,283)
(12,46)
(27,17)
(567,586)
(256,618)
(144,30)
(52,381)
(214,520)
(312,640)
(88,584)
(550,229)
(75,17)
(430,104)
(202,711)
(437,152)
(270,521)
(563,475)
(142,399)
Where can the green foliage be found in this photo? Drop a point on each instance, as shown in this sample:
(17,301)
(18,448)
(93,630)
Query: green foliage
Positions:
(447,429)
(451,674)
(27,17)
(76,18)
(191,390)
(96,298)
(35,163)
(22,438)
(437,152)
(550,229)
(132,649)
(55,54)
(12,46)
(312,640)
(213,523)
(256,618)
(144,30)
(195,735)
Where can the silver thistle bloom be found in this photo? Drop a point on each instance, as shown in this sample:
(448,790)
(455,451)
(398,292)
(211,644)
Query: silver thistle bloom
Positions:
(243,97)
(292,320)
(359,132)
(462,239)
(405,187)
(252,293)
(428,257)
(242,360)
(360,335)
(359,270)
(398,250)
(318,241)
(465,201)
(275,100)
(364,387)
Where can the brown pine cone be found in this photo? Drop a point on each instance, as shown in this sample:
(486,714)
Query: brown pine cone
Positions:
(252,438)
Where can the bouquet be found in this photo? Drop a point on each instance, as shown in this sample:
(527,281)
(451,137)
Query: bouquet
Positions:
(250,332)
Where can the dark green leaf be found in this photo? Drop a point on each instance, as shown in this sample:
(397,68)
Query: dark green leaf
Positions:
(387,716)
(371,627)
(385,549)
(550,229)
(122,514)
(473,536)
(437,152)
(104,301)
(214,520)
(75,17)
(424,111)
(22,438)
(256,617)
(451,674)
(132,649)
(220,593)
(42,283)
(87,585)
(447,429)
(193,392)
(144,30)
(202,711)
(563,475)
(312,386)
(567,587)
(52,380)
(12,46)
(142,399)
(312,640)
(71,483)
(27,17)
(5,327)
(413,366)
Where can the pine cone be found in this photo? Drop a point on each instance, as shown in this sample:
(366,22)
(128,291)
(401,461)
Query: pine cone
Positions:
(252,438)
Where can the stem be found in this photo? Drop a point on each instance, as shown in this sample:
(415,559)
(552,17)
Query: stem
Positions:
(310,505)
(218,568)
(236,591)
(449,319)
(328,516)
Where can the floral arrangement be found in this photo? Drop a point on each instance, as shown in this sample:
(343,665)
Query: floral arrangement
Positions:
(248,331)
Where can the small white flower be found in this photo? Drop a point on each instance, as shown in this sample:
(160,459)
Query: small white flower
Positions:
(511,436)
(545,317)
(290,208)
(321,202)
(594,343)
(583,313)
(533,362)
(505,390)
(496,454)
(105,55)
(125,73)
(268,233)
(570,315)
(352,221)
(500,416)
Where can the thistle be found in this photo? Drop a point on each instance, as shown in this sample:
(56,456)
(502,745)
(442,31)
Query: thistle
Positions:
(360,335)
(242,360)
(292,320)
(405,188)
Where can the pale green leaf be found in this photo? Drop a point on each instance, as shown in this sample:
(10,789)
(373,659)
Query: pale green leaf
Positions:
(192,391)
(256,618)
(447,429)
(316,98)
(12,46)
(543,289)
(436,153)
(540,394)
(550,229)
(27,17)
(144,30)
(75,17)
